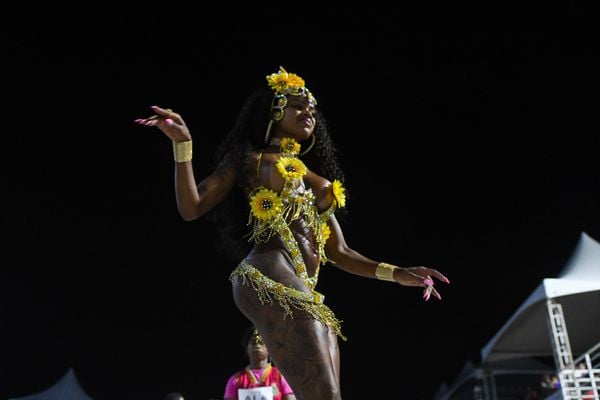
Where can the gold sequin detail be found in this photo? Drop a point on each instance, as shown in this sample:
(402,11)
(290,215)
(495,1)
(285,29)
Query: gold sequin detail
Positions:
(288,298)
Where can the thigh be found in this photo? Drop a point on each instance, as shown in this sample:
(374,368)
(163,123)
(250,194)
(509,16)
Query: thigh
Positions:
(304,349)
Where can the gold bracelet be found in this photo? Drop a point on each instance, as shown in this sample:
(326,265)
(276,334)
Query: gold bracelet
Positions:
(385,272)
(182,151)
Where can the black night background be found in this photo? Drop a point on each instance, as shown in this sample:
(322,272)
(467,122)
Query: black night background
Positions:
(473,153)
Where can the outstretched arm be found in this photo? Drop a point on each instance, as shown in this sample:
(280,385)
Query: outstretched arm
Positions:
(353,262)
(193,200)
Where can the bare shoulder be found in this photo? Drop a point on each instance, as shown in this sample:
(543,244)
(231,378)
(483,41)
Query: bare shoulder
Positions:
(261,170)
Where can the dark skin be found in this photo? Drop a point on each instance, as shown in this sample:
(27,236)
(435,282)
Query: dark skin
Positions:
(305,350)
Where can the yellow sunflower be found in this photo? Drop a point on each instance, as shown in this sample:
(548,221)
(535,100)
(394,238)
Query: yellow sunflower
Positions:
(283,80)
(291,168)
(338,193)
(265,204)
(326,231)
(290,146)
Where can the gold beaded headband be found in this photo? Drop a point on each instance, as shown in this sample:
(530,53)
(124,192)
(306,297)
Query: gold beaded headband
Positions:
(257,338)
(284,84)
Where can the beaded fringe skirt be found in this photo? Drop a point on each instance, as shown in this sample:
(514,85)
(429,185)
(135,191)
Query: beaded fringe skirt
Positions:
(288,298)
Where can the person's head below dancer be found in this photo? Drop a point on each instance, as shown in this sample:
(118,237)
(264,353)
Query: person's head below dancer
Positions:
(256,350)
(259,372)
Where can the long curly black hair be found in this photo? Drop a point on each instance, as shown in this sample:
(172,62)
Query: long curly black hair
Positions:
(247,134)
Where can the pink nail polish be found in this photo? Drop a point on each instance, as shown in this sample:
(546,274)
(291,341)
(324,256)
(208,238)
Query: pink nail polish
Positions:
(428,282)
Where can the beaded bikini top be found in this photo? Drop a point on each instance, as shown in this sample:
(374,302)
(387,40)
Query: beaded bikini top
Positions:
(271,213)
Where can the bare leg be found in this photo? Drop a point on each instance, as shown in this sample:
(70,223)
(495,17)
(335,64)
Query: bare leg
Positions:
(334,353)
(304,350)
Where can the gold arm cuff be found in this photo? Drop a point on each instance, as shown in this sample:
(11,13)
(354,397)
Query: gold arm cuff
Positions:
(385,272)
(182,151)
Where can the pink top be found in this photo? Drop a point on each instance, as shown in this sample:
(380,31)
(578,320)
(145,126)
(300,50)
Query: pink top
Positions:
(241,380)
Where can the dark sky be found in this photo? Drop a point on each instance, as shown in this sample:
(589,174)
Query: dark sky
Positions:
(476,154)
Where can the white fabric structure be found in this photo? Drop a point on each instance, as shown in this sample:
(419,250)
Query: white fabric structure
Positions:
(527,335)
(67,388)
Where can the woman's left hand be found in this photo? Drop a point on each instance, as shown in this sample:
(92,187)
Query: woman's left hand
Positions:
(420,276)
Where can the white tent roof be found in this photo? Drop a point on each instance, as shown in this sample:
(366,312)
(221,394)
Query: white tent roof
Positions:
(67,388)
(526,333)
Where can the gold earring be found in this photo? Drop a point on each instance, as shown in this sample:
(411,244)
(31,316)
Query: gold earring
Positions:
(268,131)
(311,145)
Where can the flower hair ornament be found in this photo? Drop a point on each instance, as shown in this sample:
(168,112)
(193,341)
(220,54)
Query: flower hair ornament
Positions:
(283,85)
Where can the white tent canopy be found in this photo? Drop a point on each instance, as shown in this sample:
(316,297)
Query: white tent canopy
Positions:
(67,388)
(526,333)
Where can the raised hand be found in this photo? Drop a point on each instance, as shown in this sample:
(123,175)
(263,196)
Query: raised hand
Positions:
(169,122)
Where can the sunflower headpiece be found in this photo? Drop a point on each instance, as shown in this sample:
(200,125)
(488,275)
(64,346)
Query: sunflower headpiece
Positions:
(284,84)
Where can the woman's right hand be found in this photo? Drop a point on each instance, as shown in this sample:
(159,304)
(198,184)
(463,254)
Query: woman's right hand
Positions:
(169,122)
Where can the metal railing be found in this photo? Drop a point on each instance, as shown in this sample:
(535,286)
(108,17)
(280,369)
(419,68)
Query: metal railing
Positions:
(580,384)
(581,381)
